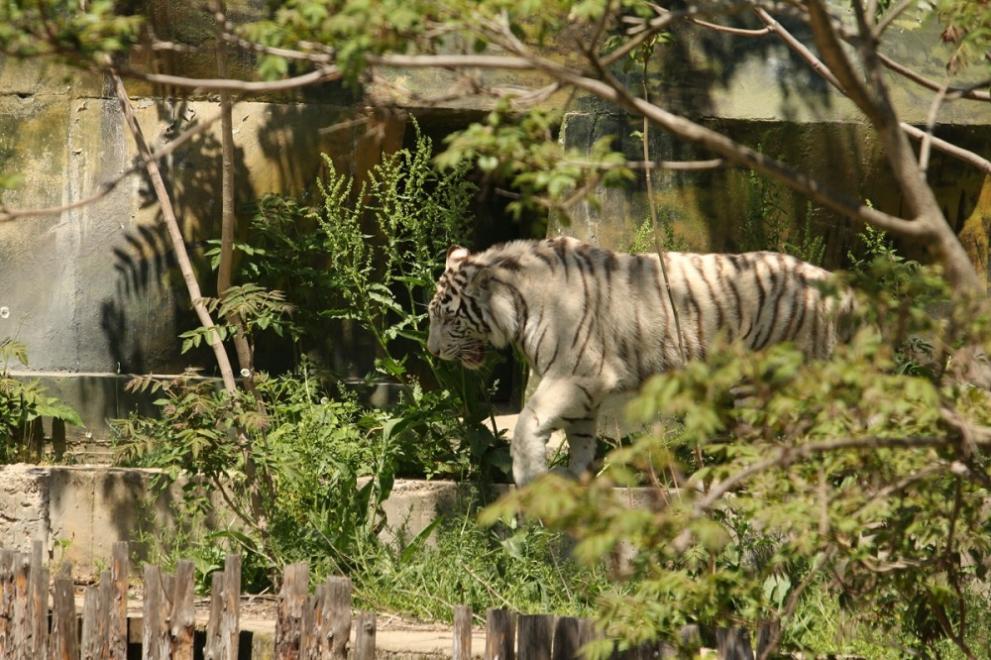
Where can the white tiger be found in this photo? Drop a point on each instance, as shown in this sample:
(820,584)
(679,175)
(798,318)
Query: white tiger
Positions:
(593,323)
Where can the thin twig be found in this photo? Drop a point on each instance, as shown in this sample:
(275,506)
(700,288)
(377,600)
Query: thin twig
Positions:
(651,203)
(320,75)
(965,92)
(892,14)
(924,148)
(743,32)
(653,27)
(673,165)
(799,48)
(287,53)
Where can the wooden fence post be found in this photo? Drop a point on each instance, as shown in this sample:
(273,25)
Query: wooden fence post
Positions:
(39,602)
(117,614)
(309,639)
(63,644)
(365,637)
(462,633)
(211,649)
(6,602)
(90,647)
(533,636)
(155,633)
(22,609)
(500,635)
(230,623)
(292,598)
(182,615)
(337,616)
(106,598)
(567,638)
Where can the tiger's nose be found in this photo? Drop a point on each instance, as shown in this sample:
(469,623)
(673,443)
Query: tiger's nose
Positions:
(433,347)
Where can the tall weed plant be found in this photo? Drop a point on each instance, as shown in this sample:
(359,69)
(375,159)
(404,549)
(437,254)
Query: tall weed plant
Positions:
(370,257)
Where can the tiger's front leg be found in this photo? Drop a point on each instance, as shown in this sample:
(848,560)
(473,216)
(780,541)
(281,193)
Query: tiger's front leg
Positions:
(581,442)
(555,404)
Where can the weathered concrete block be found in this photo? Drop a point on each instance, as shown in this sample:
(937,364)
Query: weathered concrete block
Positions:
(24,506)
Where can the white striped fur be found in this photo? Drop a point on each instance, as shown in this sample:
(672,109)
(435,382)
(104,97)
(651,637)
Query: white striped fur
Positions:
(592,323)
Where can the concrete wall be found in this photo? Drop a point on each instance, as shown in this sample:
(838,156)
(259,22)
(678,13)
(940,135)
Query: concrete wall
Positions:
(93,292)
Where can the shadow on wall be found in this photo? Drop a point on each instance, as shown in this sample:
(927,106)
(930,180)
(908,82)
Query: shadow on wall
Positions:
(278,148)
(89,509)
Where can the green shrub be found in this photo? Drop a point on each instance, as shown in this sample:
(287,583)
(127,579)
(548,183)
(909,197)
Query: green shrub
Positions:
(23,405)
(371,257)
(302,466)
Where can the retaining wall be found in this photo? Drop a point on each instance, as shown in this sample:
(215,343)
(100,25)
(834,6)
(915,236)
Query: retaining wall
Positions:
(80,511)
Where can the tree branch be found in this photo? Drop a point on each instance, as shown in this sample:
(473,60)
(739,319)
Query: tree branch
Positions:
(681,126)
(799,48)
(178,243)
(322,74)
(817,65)
(228,222)
(965,92)
(926,146)
(877,106)
(890,16)
(831,50)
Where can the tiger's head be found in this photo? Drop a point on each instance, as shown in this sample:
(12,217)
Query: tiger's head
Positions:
(458,328)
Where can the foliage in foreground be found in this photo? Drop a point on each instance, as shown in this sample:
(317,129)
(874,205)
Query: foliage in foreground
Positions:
(862,480)
(527,569)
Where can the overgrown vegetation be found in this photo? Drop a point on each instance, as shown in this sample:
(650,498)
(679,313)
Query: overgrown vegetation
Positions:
(300,464)
(767,224)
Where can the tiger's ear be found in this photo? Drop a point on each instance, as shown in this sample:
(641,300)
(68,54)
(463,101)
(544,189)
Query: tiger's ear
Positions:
(455,255)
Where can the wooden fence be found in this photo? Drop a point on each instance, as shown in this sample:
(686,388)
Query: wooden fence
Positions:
(39,621)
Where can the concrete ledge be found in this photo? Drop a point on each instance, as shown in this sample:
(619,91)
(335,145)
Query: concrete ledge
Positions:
(80,511)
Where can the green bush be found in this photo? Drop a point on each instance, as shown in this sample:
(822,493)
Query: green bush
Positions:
(304,467)
(23,405)
(309,452)
(370,257)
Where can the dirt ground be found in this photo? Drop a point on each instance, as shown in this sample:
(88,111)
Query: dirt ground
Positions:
(395,636)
